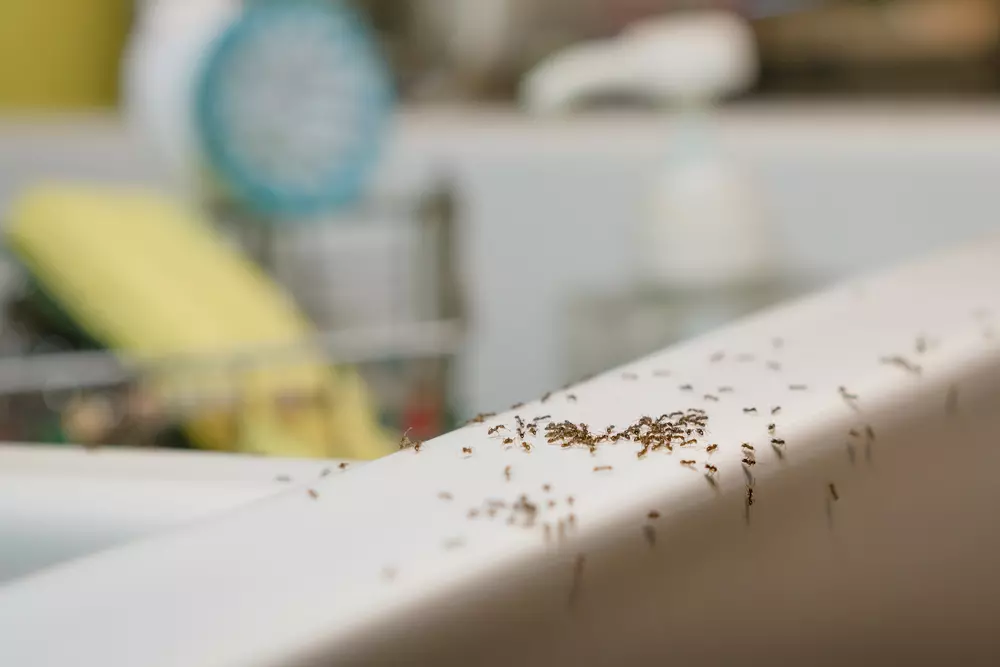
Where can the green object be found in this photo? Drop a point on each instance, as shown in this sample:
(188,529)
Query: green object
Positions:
(51,319)
(50,432)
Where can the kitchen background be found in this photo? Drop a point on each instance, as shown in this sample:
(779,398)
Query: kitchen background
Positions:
(535,214)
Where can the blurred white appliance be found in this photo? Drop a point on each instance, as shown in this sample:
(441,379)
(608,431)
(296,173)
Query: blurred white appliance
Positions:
(705,247)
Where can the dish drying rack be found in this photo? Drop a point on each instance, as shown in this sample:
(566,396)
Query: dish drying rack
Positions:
(399,326)
(98,397)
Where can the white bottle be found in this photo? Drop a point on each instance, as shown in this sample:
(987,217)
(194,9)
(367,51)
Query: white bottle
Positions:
(161,63)
(700,200)
(704,250)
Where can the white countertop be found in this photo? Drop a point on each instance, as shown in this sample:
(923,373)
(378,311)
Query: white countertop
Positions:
(872,528)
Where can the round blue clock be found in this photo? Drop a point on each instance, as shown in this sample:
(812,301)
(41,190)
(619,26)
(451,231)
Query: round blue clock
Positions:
(290,107)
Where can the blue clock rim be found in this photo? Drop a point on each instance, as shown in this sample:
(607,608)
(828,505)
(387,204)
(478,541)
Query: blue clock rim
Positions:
(344,184)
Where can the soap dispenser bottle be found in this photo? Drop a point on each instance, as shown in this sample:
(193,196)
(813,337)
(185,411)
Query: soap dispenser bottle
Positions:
(704,250)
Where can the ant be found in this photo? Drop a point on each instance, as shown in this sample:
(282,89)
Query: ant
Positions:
(466,450)
(710,397)
(777,441)
(453,543)
(749,496)
(771,427)
(902,363)
(776,409)
(506,473)
(711,448)
(516,406)
(508,441)
(343,465)
(725,389)
(688,462)
(313,494)
(496,428)
(833,492)
(542,418)
(747,446)
(600,468)
(749,461)
(444,495)
(405,442)
(686,387)
(711,468)
(851,452)
(546,396)
(571,397)
(653,514)
(749,410)
(525,446)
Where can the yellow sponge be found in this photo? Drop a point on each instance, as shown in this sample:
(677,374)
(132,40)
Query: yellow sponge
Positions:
(151,279)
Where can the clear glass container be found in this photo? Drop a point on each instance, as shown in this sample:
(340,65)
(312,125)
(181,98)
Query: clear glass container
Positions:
(605,330)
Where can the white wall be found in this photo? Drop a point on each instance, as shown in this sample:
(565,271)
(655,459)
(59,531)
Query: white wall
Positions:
(851,189)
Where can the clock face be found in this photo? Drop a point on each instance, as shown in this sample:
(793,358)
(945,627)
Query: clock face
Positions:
(291,105)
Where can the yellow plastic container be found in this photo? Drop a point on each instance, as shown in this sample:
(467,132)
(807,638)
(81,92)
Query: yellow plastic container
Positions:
(61,54)
(149,278)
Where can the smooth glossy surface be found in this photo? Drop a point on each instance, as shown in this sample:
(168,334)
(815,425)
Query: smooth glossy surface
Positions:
(379,565)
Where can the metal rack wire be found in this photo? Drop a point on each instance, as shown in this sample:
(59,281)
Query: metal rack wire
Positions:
(100,397)
(403,355)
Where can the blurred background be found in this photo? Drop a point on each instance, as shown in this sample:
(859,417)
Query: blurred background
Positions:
(304,227)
